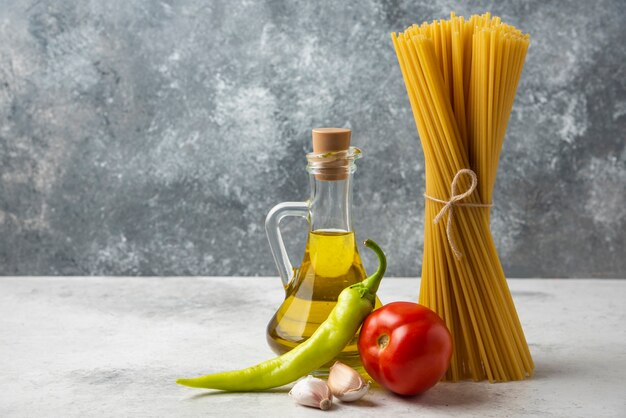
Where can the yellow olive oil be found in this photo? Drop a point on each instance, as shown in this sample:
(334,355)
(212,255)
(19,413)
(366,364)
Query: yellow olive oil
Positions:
(331,263)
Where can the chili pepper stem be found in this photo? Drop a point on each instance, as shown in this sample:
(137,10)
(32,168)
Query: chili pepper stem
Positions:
(372,282)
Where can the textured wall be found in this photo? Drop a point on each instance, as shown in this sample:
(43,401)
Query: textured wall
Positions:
(151,138)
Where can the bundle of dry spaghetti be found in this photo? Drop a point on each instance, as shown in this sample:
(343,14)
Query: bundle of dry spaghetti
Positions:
(461,77)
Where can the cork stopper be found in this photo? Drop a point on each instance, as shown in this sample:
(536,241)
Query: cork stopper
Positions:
(331,140)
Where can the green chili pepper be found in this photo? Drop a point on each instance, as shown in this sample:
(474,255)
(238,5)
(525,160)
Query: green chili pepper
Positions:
(353,305)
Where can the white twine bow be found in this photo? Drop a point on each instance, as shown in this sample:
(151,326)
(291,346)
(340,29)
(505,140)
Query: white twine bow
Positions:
(449,206)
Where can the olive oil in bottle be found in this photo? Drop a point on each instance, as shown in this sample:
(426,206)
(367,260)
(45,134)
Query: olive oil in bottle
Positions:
(331,263)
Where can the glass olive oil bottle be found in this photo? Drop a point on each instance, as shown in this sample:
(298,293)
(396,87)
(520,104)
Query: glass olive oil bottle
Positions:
(331,259)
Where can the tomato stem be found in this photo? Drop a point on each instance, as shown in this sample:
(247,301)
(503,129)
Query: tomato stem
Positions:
(383,341)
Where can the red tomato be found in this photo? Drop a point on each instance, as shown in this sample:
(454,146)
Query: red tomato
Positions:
(405,347)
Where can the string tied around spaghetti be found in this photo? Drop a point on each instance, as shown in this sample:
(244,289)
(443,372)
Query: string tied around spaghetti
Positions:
(454,201)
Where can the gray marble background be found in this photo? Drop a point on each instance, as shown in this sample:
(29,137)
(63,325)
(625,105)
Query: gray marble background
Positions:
(151,138)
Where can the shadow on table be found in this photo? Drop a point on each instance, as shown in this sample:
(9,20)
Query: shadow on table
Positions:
(363,403)
(467,393)
(450,394)
(551,368)
(220,392)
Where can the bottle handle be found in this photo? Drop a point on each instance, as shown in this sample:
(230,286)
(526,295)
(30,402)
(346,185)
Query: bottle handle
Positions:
(272,229)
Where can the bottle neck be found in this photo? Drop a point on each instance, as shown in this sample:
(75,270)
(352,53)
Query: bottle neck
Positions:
(330,204)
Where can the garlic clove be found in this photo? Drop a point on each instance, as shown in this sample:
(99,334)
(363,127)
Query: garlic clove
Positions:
(312,391)
(346,383)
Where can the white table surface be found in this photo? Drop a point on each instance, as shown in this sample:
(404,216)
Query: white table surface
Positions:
(111,346)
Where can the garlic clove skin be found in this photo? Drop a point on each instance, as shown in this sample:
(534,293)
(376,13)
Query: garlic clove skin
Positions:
(346,384)
(354,395)
(312,391)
